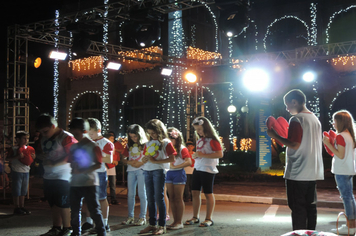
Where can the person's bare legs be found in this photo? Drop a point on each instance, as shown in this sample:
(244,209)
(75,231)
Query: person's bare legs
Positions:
(65,215)
(166,199)
(56,216)
(170,189)
(105,210)
(210,205)
(179,203)
(16,201)
(22,201)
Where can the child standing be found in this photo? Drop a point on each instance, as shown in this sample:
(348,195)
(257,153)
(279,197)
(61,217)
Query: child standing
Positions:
(304,161)
(158,153)
(133,154)
(208,152)
(21,157)
(55,144)
(85,159)
(107,149)
(343,166)
(176,178)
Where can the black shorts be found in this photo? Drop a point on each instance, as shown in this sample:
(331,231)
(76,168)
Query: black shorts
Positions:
(56,192)
(202,179)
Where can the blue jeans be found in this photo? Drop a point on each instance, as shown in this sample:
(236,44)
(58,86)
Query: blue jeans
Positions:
(155,180)
(19,183)
(91,196)
(345,186)
(136,179)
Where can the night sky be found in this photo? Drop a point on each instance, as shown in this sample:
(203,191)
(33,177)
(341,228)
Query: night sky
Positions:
(40,81)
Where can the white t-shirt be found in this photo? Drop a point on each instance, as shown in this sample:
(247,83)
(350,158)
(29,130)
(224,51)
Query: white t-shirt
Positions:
(207,146)
(133,153)
(152,149)
(107,148)
(345,166)
(306,163)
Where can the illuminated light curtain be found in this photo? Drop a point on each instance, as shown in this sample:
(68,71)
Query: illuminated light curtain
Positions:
(55,68)
(105,119)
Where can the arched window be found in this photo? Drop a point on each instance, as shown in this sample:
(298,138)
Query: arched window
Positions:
(141,106)
(89,105)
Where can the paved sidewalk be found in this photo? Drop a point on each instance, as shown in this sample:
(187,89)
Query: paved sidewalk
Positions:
(249,191)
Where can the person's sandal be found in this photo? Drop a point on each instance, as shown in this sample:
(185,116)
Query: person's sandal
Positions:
(192,221)
(160,230)
(206,223)
(148,229)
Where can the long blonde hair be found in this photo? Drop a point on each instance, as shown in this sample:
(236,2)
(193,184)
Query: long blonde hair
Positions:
(345,121)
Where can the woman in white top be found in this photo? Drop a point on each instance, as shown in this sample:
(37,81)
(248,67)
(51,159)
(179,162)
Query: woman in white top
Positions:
(343,166)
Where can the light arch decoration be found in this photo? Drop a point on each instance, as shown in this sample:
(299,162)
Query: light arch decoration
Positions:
(283,18)
(333,17)
(333,101)
(124,100)
(215,23)
(76,98)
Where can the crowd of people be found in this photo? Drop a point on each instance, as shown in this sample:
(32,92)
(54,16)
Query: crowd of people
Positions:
(166,172)
(79,165)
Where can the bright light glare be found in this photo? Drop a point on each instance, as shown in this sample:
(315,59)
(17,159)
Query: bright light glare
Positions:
(256,79)
(113,66)
(229,34)
(166,71)
(58,55)
(231,109)
(191,77)
(142,44)
(309,76)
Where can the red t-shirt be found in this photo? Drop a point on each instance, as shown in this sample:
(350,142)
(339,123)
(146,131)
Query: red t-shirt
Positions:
(295,132)
(340,140)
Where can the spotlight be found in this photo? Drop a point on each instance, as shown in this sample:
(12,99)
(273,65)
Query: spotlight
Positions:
(166,71)
(31,60)
(112,65)
(231,109)
(190,77)
(309,76)
(229,34)
(58,55)
(255,79)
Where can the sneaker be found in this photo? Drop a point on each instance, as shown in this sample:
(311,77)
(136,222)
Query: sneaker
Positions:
(160,230)
(128,221)
(52,232)
(344,230)
(87,227)
(66,232)
(141,221)
(107,228)
(19,211)
(27,212)
(150,228)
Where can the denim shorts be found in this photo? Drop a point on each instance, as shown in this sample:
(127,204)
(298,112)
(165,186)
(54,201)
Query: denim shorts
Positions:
(19,183)
(176,177)
(103,183)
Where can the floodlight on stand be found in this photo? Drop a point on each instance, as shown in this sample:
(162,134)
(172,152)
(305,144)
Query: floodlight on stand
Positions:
(58,55)
(113,65)
(166,71)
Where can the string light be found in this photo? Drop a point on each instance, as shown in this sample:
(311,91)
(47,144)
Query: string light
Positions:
(215,23)
(345,60)
(314,104)
(76,98)
(332,18)
(105,120)
(56,71)
(88,63)
(230,47)
(231,122)
(333,101)
(313,28)
(202,55)
(152,53)
(245,144)
(283,18)
(217,123)
(234,143)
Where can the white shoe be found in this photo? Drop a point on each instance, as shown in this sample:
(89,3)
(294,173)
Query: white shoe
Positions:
(128,221)
(344,230)
(141,221)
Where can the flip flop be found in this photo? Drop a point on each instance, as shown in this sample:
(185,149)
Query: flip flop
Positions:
(206,223)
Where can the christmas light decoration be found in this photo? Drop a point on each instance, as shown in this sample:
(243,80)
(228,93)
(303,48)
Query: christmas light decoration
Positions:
(283,18)
(314,104)
(105,119)
(55,68)
(217,122)
(231,116)
(345,60)
(234,143)
(192,33)
(215,23)
(154,53)
(313,28)
(87,63)
(201,55)
(333,101)
(332,18)
(245,144)
(75,99)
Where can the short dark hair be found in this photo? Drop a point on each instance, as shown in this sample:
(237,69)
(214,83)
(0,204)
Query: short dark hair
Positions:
(79,123)
(45,120)
(297,95)
(94,124)
(21,133)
